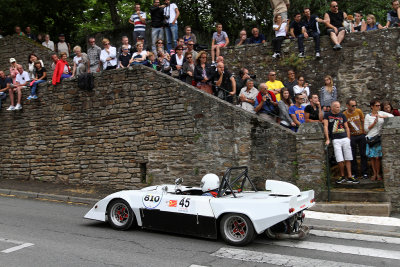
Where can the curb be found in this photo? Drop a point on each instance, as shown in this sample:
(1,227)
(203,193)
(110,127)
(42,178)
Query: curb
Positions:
(352,231)
(66,198)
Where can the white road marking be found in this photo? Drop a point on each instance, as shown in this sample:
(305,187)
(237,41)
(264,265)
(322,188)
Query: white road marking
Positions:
(388,221)
(361,251)
(276,259)
(25,245)
(20,244)
(359,237)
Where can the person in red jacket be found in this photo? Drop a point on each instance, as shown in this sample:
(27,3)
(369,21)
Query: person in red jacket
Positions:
(62,69)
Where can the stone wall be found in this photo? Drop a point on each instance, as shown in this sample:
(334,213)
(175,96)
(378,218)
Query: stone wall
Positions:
(138,127)
(391,160)
(19,47)
(368,66)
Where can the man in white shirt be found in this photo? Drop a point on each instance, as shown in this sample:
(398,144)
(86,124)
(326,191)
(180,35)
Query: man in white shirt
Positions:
(248,95)
(22,80)
(171,14)
(138,19)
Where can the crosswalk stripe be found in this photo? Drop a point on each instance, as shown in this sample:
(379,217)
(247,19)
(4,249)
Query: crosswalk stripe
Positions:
(361,251)
(387,221)
(277,259)
(359,237)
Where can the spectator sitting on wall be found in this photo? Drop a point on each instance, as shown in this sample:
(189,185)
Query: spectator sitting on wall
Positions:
(248,95)
(280,28)
(125,42)
(241,80)
(54,58)
(18,31)
(22,80)
(163,64)
(371,24)
(334,22)
(138,20)
(124,57)
(328,94)
(358,21)
(265,103)
(93,53)
(40,38)
(337,131)
(63,46)
(313,112)
(219,39)
(257,37)
(302,88)
(160,48)
(151,61)
(290,83)
(5,85)
(48,43)
(284,105)
(139,57)
(108,55)
(189,50)
(296,29)
(388,108)
(393,16)
(32,58)
(40,77)
(311,29)
(13,69)
(81,62)
(203,73)
(274,85)
(188,68)
(62,69)
(355,121)
(29,34)
(297,112)
(243,40)
(177,61)
(225,83)
(181,42)
(189,36)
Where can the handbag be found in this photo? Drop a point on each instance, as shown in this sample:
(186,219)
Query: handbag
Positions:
(374,140)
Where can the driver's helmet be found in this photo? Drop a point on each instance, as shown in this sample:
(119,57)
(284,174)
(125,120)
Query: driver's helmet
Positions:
(209,182)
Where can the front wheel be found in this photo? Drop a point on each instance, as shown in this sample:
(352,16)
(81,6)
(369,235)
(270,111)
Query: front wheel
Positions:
(237,229)
(120,215)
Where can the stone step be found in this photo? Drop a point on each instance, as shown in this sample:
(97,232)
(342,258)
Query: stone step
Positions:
(356,195)
(364,184)
(355,208)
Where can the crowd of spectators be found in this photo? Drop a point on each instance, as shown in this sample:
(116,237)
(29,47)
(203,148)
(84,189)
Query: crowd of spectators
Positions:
(289,103)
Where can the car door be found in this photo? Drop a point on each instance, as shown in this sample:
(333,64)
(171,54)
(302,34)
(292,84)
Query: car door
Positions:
(183,214)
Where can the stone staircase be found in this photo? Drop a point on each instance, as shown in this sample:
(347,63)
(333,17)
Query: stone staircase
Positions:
(367,198)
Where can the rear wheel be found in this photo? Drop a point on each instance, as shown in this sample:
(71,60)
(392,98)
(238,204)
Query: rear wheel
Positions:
(237,229)
(120,215)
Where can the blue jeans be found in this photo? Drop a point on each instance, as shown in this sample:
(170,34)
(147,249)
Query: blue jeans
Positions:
(300,41)
(34,86)
(156,33)
(64,76)
(171,33)
(2,97)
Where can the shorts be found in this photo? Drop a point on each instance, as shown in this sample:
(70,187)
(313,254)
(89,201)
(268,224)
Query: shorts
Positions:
(339,30)
(221,45)
(342,149)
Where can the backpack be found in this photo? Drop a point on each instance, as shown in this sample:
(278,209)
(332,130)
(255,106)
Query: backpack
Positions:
(86,81)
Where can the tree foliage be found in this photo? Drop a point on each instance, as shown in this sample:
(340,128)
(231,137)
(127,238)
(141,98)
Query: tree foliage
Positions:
(78,18)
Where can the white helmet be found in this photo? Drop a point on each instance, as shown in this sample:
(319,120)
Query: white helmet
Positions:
(209,182)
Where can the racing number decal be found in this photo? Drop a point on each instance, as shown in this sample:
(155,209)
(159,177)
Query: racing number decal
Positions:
(151,201)
(185,202)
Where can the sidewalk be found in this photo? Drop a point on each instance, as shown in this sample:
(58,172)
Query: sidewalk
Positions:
(54,191)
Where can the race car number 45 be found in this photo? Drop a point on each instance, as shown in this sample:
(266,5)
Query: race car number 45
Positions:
(151,201)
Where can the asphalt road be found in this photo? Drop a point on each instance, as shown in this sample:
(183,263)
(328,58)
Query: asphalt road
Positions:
(48,233)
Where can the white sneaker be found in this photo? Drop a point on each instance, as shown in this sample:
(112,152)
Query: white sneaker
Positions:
(274,55)
(18,107)
(11,108)
(317,55)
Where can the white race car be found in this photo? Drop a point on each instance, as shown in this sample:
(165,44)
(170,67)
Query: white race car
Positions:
(238,211)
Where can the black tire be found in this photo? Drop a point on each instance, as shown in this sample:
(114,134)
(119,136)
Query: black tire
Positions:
(237,229)
(120,215)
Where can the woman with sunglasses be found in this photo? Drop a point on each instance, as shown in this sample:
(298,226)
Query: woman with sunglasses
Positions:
(177,61)
(160,48)
(188,69)
(373,127)
(108,55)
(203,73)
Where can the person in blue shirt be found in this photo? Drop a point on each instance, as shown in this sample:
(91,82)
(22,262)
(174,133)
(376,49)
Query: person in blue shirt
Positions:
(297,112)
(257,37)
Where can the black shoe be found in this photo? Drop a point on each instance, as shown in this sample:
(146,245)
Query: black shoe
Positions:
(352,180)
(365,176)
(341,180)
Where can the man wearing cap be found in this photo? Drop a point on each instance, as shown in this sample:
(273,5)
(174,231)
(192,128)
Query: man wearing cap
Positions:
(22,81)
(138,19)
(5,83)
(63,46)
